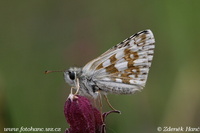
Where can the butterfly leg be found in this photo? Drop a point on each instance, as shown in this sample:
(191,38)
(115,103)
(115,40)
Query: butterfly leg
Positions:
(71,90)
(109,102)
(77,86)
(100,101)
(71,95)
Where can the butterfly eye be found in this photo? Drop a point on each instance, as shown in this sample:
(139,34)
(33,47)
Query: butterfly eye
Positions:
(71,75)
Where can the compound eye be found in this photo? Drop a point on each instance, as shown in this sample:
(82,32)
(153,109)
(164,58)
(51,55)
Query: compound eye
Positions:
(71,75)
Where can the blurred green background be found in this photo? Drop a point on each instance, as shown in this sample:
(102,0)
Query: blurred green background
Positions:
(53,35)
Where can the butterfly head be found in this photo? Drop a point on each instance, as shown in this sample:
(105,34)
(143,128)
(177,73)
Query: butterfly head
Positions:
(71,75)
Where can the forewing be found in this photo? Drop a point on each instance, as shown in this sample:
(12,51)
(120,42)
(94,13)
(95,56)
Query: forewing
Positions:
(127,63)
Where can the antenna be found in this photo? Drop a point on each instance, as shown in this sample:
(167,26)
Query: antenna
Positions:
(49,71)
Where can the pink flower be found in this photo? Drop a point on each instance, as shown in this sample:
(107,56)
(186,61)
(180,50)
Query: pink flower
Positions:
(83,117)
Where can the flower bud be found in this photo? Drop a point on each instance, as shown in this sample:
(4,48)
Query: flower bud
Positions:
(82,116)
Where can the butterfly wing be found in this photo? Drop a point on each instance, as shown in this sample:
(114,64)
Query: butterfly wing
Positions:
(124,68)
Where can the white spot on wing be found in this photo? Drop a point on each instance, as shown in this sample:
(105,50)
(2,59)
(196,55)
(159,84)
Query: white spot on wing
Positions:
(141,61)
(132,56)
(132,76)
(106,79)
(106,63)
(150,57)
(150,41)
(150,52)
(143,70)
(120,61)
(119,54)
(121,66)
(132,42)
(118,80)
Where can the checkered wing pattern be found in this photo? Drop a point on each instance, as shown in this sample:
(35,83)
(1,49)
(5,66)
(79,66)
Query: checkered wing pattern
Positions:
(124,67)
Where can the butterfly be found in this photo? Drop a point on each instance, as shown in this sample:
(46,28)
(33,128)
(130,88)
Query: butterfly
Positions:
(123,69)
